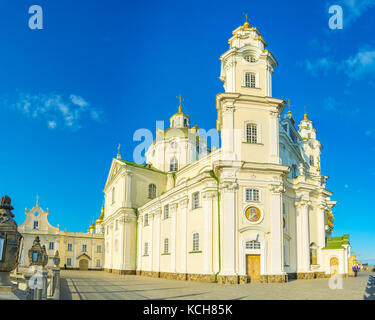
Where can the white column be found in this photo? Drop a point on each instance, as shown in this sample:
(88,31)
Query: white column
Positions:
(74,253)
(277,247)
(228,131)
(208,212)
(128,201)
(173,210)
(321,232)
(128,244)
(184,207)
(122,244)
(274,137)
(92,254)
(139,246)
(156,246)
(303,238)
(151,245)
(229,228)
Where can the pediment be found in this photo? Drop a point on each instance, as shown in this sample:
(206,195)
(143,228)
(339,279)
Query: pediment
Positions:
(83,255)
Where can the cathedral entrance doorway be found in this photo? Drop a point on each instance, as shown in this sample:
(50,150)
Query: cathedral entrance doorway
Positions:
(334,265)
(253,267)
(84,264)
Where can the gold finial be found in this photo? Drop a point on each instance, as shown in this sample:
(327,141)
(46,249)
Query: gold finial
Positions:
(118,151)
(37,200)
(290,112)
(305,115)
(246,24)
(179,106)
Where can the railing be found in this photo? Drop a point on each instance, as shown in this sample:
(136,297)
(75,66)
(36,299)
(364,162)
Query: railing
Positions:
(40,284)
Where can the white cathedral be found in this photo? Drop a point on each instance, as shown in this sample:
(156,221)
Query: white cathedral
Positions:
(255,210)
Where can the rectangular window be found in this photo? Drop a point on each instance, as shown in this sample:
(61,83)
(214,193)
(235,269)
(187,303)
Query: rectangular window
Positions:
(251,133)
(253,244)
(250,80)
(98,263)
(51,245)
(84,248)
(196,242)
(252,195)
(166,211)
(166,245)
(69,261)
(116,225)
(146,220)
(36,224)
(70,247)
(145,252)
(195,200)
(99,249)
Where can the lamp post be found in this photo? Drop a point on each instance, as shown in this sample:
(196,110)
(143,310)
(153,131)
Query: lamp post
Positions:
(10,240)
(56,259)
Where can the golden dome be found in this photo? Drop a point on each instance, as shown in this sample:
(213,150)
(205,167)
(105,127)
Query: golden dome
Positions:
(101,217)
(246,25)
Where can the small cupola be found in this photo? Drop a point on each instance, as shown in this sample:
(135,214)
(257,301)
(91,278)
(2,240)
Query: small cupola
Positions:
(179,119)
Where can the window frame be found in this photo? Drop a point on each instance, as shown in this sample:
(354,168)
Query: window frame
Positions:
(256,79)
(253,189)
(166,212)
(145,248)
(173,164)
(258,132)
(166,245)
(146,220)
(195,202)
(152,193)
(195,243)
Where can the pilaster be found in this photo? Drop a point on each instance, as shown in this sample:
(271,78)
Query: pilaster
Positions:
(228,188)
(303,237)
(208,198)
(184,207)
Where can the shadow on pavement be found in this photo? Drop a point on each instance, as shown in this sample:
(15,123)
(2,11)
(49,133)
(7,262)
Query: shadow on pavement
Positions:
(65,293)
(370,289)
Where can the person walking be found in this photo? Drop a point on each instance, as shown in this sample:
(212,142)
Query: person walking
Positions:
(355,269)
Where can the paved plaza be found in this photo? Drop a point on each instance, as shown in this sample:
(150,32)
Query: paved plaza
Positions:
(97,285)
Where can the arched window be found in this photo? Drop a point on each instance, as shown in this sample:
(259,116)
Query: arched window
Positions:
(173,165)
(313,257)
(152,191)
(251,133)
(185,122)
(311,160)
(253,244)
(195,241)
(166,245)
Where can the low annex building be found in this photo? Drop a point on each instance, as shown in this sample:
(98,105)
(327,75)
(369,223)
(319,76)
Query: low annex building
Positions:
(77,250)
(257,209)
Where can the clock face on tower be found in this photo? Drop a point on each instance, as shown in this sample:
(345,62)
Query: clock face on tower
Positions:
(253,214)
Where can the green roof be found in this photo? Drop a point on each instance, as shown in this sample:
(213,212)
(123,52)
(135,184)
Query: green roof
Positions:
(336,242)
(142,166)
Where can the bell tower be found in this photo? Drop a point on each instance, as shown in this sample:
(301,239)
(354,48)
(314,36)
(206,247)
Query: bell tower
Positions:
(247,67)
(248,115)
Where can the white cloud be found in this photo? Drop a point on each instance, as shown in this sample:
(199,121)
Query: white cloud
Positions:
(331,104)
(361,64)
(353,9)
(57,110)
(51,124)
(356,67)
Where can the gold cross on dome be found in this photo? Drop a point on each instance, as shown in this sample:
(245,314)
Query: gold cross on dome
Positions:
(246,16)
(180,98)
(37,200)
(118,148)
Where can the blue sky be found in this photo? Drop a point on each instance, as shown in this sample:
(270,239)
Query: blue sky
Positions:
(71,92)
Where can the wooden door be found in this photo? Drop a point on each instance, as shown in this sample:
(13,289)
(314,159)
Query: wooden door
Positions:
(84,264)
(253,266)
(334,264)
